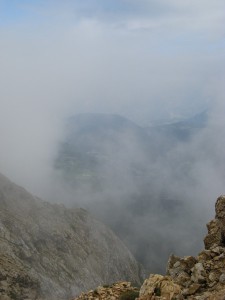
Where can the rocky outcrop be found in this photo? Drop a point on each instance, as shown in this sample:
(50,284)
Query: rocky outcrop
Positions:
(159,287)
(120,290)
(201,277)
(216,227)
(50,252)
(193,278)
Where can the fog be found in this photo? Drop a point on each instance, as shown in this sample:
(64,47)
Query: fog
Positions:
(152,62)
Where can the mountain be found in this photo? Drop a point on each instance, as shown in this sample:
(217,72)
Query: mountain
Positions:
(93,144)
(50,252)
(132,178)
(182,130)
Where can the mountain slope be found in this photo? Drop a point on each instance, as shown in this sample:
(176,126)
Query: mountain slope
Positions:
(179,131)
(50,252)
(92,146)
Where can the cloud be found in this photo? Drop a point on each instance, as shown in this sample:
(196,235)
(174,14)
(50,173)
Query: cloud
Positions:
(150,61)
(147,60)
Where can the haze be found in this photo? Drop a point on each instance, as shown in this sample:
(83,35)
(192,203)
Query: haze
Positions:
(152,62)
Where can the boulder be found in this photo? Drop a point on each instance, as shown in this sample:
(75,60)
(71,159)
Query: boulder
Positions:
(160,286)
(216,227)
(119,290)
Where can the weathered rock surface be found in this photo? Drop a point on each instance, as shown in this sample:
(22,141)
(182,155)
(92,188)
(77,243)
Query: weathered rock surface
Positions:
(216,227)
(160,287)
(113,292)
(50,252)
(203,277)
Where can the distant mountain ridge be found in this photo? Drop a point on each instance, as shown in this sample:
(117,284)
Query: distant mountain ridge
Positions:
(117,167)
(95,121)
(90,141)
(182,130)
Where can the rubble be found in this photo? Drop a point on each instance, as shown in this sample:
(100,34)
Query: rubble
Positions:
(160,287)
(205,273)
(111,292)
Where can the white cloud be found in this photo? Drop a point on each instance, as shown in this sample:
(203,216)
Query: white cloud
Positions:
(148,65)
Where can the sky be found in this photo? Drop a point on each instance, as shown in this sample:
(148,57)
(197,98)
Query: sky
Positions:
(152,61)
(113,56)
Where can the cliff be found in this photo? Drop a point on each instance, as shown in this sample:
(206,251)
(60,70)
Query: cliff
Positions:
(50,252)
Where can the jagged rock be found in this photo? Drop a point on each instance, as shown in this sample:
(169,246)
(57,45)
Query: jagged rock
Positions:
(220,209)
(113,292)
(50,252)
(180,269)
(193,278)
(197,276)
(216,227)
(160,286)
(209,295)
(222,278)
(213,237)
(192,289)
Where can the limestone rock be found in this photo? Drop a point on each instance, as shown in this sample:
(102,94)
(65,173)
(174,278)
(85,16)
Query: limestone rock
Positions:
(193,278)
(113,292)
(180,269)
(50,252)
(220,208)
(198,273)
(192,289)
(213,237)
(204,276)
(216,228)
(160,286)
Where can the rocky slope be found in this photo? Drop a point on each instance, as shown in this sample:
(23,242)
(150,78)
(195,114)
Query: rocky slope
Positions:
(50,252)
(193,278)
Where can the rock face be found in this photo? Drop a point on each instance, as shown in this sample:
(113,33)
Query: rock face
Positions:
(120,290)
(160,287)
(50,252)
(203,277)
(206,272)
(216,228)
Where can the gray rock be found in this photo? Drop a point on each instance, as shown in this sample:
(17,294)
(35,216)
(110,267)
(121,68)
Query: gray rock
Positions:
(50,252)
(222,278)
(198,273)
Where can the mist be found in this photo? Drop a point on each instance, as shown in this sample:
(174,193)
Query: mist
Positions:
(152,63)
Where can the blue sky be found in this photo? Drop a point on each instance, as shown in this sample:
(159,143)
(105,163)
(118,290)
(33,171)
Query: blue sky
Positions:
(10,13)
